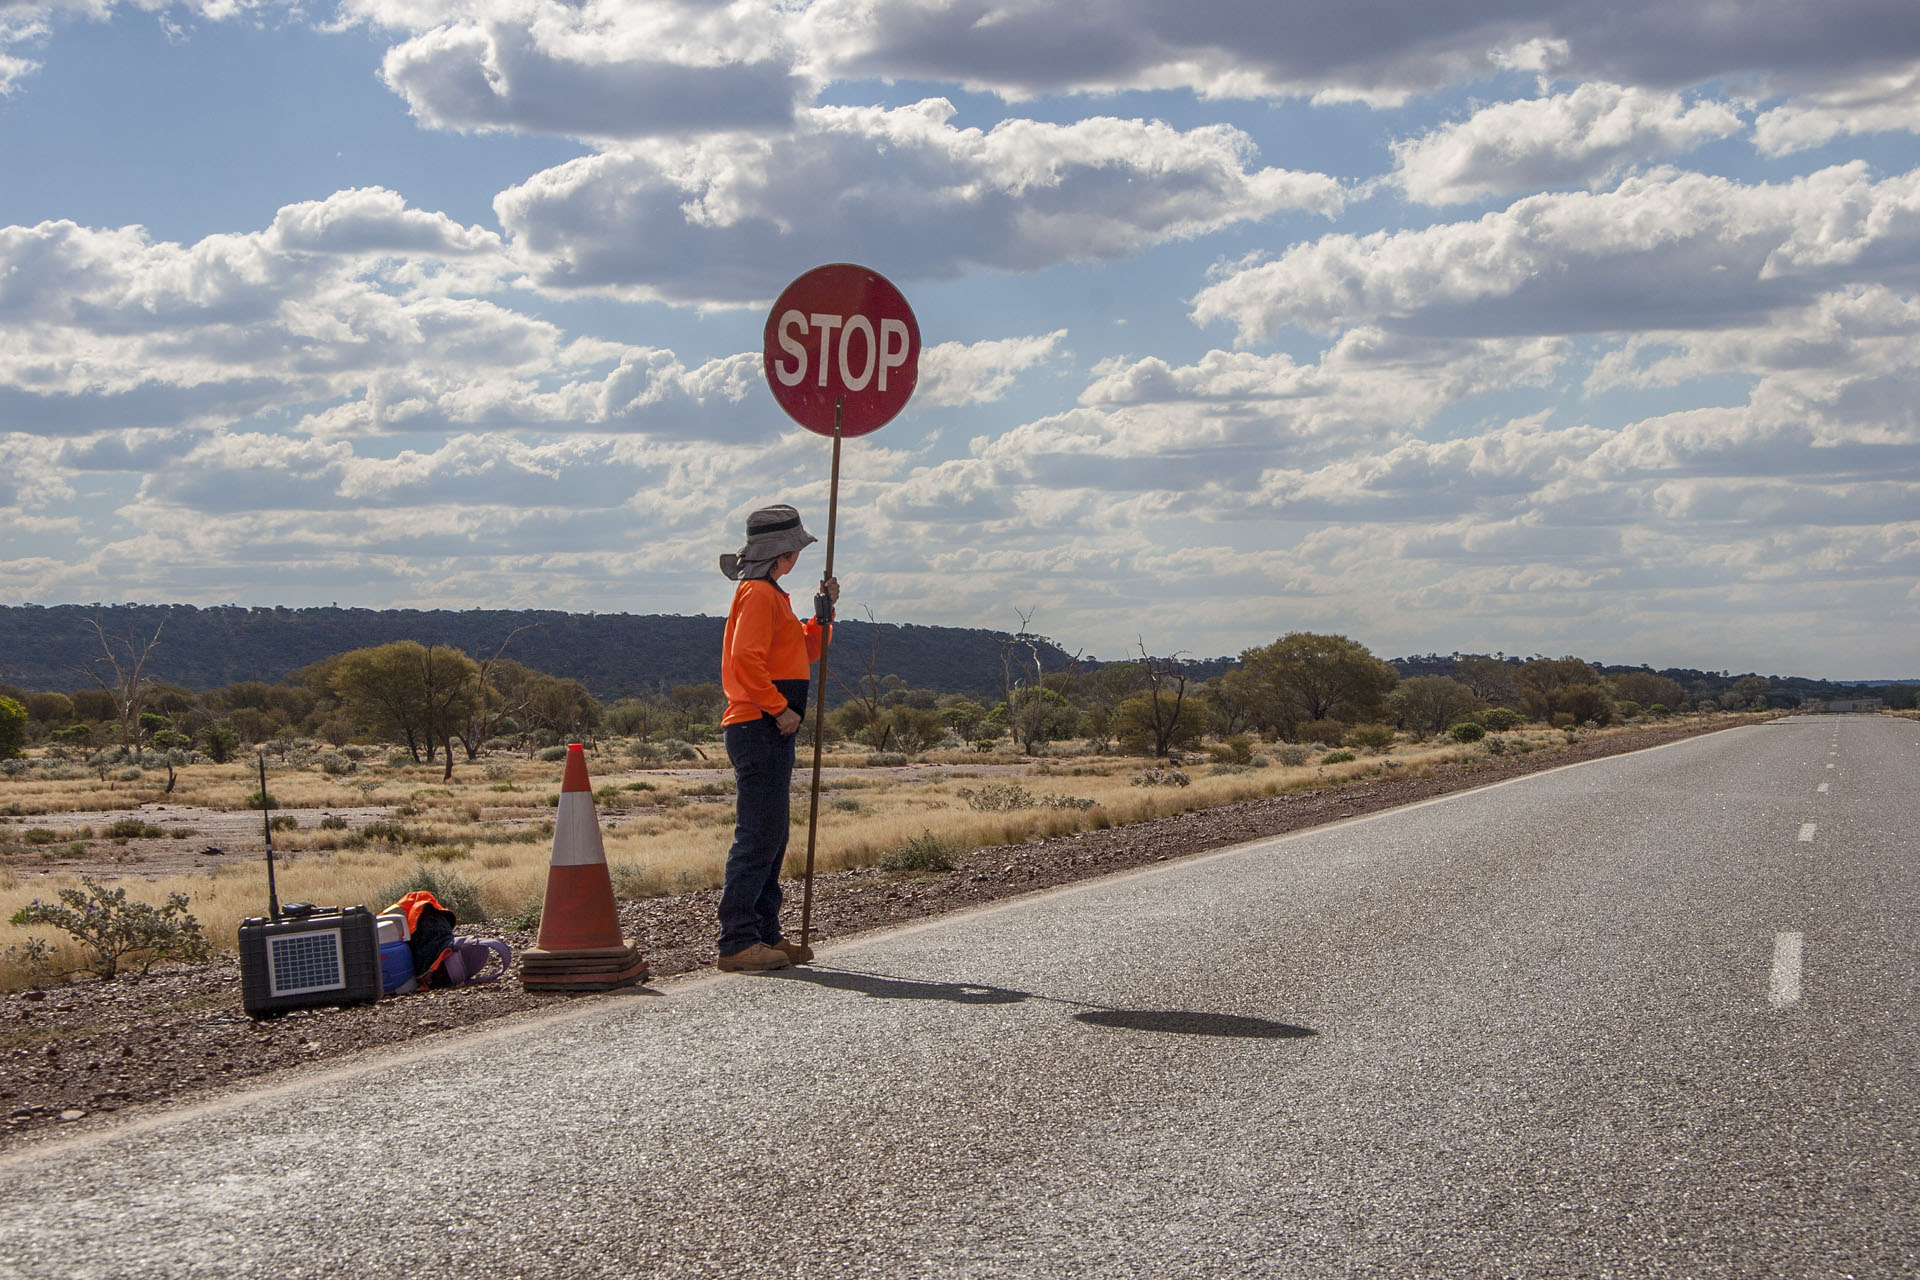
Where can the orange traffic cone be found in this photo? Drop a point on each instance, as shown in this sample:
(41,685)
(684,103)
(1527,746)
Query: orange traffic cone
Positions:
(579,947)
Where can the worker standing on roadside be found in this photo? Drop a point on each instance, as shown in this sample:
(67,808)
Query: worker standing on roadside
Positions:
(764,660)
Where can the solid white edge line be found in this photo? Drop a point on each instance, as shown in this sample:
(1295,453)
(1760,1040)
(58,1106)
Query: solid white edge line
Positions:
(1783,988)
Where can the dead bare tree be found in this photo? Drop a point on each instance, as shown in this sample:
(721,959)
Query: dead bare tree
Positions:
(872,687)
(128,687)
(1035,714)
(492,706)
(1163,712)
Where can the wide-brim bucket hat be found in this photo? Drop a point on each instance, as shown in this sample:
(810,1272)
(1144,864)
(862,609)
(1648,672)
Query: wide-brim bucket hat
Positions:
(771,533)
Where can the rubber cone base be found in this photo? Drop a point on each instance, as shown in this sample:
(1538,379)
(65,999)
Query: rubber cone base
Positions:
(589,969)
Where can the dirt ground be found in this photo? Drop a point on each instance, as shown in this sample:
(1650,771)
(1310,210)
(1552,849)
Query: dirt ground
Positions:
(73,1053)
(212,837)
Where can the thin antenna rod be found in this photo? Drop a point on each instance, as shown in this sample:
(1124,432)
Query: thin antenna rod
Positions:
(266,822)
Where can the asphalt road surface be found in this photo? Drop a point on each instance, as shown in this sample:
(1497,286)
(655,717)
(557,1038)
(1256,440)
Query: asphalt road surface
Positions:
(1652,1015)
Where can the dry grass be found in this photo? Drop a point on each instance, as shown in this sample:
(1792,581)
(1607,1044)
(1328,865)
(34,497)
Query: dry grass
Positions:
(492,825)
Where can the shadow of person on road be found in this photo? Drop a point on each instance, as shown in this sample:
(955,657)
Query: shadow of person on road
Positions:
(881,986)
(1179,1022)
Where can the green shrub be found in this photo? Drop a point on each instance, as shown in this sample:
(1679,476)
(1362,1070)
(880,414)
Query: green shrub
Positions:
(455,892)
(1336,757)
(13,728)
(132,829)
(1501,719)
(1376,738)
(1467,731)
(1626,709)
(1326,732)
(445,852)
(333,764)
(997,797)
(285,822)
(1162,776)
(333,822)
(392,832)
(1496,746)
(221,742)
(926,852)
(114,930)
(39,835)
(1659,710)
(552,754)
(262,800)
(1293,756)
(528,916)
(886,759)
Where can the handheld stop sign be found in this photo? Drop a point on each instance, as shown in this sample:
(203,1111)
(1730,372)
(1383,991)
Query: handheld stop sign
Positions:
(842,356)
(841,340)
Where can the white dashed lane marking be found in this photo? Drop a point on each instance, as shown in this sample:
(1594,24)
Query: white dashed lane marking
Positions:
(1822,787)
(1806,832)
(1783,988)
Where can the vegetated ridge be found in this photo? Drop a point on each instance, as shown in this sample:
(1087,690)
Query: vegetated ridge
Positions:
(614,655)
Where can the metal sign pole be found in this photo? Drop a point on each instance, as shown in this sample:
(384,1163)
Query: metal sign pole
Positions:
(820,696)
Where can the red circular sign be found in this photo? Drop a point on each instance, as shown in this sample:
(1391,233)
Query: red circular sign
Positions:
(842,334)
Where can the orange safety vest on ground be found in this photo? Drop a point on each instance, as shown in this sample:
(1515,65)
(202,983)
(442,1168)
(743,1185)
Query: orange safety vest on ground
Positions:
(763,643)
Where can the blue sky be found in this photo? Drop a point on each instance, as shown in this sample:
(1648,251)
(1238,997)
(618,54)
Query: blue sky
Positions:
(1532,327)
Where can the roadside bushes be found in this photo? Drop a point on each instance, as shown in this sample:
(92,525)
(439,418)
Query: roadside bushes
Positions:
(1374,738)
(455,892)
(114,930)
(1467,731)
(998,797)
(925,852)
(1328,733)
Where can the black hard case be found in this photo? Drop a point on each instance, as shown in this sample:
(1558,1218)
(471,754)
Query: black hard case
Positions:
(331,956)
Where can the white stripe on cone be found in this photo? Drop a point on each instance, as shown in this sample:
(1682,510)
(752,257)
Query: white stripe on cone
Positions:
(576,831)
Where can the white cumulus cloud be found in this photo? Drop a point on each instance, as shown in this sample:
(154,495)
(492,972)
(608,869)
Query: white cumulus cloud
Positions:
(1666,250)
(1577,138)
(722,220)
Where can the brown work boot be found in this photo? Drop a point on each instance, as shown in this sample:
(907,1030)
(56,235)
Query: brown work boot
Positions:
(796,952)
(757,958)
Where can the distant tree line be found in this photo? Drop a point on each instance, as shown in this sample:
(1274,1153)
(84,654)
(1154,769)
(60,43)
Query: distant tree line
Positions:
(431,700)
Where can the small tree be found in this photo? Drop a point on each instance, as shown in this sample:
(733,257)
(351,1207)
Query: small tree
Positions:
(1161,708)
(1143,729)
(114,929)
(1425,705)
(220,741)
(13,728)
(1305,676)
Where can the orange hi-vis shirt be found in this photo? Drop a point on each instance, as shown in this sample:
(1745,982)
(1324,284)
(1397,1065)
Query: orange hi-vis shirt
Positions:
(764,642)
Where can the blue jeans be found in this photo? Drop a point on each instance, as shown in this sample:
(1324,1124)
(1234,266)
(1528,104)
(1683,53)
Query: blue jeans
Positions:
(763,771)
